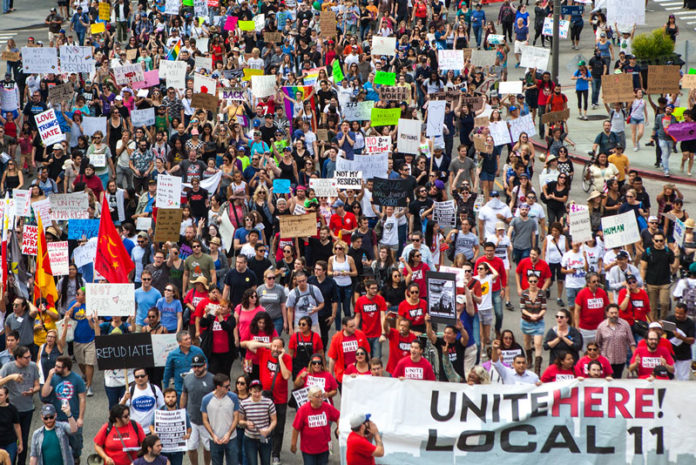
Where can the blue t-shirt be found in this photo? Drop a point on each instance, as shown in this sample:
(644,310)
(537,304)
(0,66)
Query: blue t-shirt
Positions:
(67,388)
(168,313)
(83,331)
(582,84)
(144,301)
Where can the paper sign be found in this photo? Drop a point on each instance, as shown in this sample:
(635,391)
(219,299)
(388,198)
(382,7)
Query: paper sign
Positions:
(383,46)
(281,186)
(273,37)
(126,75)
(48,127)
(131,54)
(151,78)
(535,57)
(170,428)
(249,73)
(118,351)
(625,13)
(358,111)
(298,225)
(495,39)
(259,22)
(104,11)
(204,63)
(263,86)
(168,224)
(348,179)
(620,230)
(9,98)
(174,72)
(663,79)
(78,229)
(445,213)
(69,206)
(323,187)
(377,144)
(450,59)
(510,87)
(143,118)
(97,28)
(22,202)
(385,116)
(162,345)
(61,93)
(59,258)
(617,88)
(171,7)
(371,165)
(37,60)
(204,84)
(86,253)
(563,28)
(384,78)
(436,118)
(200,8)
(500,133)
(76,59)
(143,223)
(580,226)
(168,191)
(523,124)
(110,299)
(408,138)
(231,23)
(483,57)
(234,93)
(42,209)
(30,239)
(246,25)
(90,125)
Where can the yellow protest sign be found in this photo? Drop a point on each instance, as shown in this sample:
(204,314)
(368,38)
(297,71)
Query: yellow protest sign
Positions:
(246,25)
(248,72)
(98,28)
(385,116)
(104,11)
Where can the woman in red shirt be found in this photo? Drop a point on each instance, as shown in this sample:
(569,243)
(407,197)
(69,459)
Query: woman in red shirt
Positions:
(303,344)
(361,366)
(416,269)
(561,369)
(582,368)
(118,441)
(316,375)
(260,329)
(313,424)
(413,308)
(634,305)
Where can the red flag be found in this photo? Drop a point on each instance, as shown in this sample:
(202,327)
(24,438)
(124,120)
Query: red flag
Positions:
(112,261)
(44,285)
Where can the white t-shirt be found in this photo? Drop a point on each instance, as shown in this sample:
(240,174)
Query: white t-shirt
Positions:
(390,232)
(486,292)
(143,404)
(575,261)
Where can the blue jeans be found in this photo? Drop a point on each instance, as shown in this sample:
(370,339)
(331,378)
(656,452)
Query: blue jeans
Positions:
(571,292)
(666,147)
(175,458)
(241,447)
(403,232)
(76,443)
(255,448)
(498,309)
(519,254)
(477,34)
(316,459)
(375,347)
(596,86)
(114,394)
(344,297)
(11,449)
(476,328)
(278,325)
(227,451)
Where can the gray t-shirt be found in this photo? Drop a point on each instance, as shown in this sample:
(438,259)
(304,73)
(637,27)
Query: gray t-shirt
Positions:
(24,324)
(522,232)
(303,301)
(196,388)
(30,374)
(271,299)
(465,243)
(467,165)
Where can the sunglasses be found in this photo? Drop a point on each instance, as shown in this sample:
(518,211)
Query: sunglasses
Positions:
(140,376)
(49,417)
(316,362)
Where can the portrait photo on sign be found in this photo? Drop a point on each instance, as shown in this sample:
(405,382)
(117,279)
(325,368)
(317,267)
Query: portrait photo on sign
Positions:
(442,293)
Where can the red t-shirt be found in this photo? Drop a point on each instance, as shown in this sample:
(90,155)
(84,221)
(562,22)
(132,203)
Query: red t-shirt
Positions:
(553,373)
(113,446)
(314,425)
(313,342)
(581,366)
(399,347)
(347,221)
(323,379)
(350,347)
(221,338)
(418,277)
(414,313)
(261,337)
(409,369)
(194,297)
(370,311)
(359,450)
(353,370)
(268,366)
(650,360)
(526,269)
(591,307)
(638,305)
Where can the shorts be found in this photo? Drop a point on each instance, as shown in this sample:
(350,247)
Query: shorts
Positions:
(556,272)
(198,434)
(637,121)
(532,329)
(85,353)
(486,316)
(14,113)
(519,254)
(485,176)
(62,3)
(519,45)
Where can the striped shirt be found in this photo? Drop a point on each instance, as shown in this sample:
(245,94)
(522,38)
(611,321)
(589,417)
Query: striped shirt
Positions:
(259,413)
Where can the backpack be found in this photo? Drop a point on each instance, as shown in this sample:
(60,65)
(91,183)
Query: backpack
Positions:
(154,393)
(689,298)
(508,15)
(311,292)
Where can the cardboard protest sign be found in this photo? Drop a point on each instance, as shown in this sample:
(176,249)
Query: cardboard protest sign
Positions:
(206,101)
(383,45)
(298,225)
(408,136)
(59,257)
(579,220)
(48,127)
(323,187)
(273,37)
(476,103)
(620,230)
(168,224)
(30,236)
(143,118)
(663,79)
(553,116)
(617,88)
(131,54)
(535,57)
(348,179)
(377,144)
(110,299)
(133,350)
(168,191)
(170,428)
(9,56)
(442,290)
(398,93)
(390,192)
(445,214)
(61,93)
(69,206)
(38,60)
(77,229)
(689,81)
(327,24)
(385,116)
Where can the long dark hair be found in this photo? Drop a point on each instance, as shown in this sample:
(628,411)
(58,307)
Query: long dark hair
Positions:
(64,285)
(268,323)
(149,441)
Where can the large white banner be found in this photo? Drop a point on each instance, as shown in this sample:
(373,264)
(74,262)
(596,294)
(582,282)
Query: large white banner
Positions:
(620,230)
(579,422)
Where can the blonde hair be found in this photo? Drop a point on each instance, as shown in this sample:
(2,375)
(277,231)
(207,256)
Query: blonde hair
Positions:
(340,243)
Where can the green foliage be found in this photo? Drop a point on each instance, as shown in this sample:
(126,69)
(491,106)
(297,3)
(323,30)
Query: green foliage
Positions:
(654,45)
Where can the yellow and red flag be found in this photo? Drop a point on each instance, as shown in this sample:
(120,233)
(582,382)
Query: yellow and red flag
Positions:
(112,261)
(44,285)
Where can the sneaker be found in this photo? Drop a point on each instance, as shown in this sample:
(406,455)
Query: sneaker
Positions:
(635,149)
(560,302)
(508,305)
(275,461)
(595,106)
(667,175)
(89,392)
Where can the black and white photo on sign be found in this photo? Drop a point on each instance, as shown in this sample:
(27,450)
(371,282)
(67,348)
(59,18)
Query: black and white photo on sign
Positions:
(442,293)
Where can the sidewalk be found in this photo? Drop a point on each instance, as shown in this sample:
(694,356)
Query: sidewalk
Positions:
(28,14)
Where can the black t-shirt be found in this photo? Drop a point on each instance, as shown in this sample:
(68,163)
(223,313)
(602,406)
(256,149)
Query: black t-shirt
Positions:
(659,262)
(267,133)
(238,283)
(416,208)
(456,355)
(259,267)
(8,418)
(392,295)
(329,290)
(553,204)
(196,201)
(319,251)
(683,350)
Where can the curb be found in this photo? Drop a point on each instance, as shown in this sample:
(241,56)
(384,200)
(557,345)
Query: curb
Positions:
(31,26)
(643,172)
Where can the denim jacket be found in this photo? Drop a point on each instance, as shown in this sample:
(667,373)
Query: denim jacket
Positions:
(62,429)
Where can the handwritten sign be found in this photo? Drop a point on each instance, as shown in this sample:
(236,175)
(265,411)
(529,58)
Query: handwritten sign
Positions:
(78,229)
(104,11)
(450,59)
(30,237)
(535,57)
(59,258)
(61,93)
(398,93)
(69,206)
(323,187)
(168,191)
(126,75)
(554,116)
(76,59)
(385,78)
(408,138)
(620,230)
(48,127)
(207,101)
(110,299)
(143,118)
(168,224)
(523,124)
(483,57)
(390,192)
(22,202)
(151,78)
(298,225)
(348,179)
(579,220)
(263,86)
(383,46)
(663,79)
(377,144)
(358,111)
(37,60)
(327,24)
(617,88)
(385,116)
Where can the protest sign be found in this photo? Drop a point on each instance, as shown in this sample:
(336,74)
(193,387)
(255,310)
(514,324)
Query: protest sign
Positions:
(535,57)
(263,86)
(272,37)
(9,98)
(171,7)
(126,75)
(553,116)
(22,202)
(377,144)
(132,54)
(48,127)
(143,118)
(398,93)
(37,60)
(116,351)
(59,258)
(348,179)
(301,396)
(104,11)
(390,192)
(61,93)
(579,220)
(663,79)
(204,84)
(168,224)
(174,72)
(358,111)
(483,57)
(436,118)
(249,73)
(522,124)
(617,88)
(439,423)
(482,121)
(143,223)
(480,144)
(625,13)
(383,45)
(247,26)
(281,186)
(259,22)
(233,93)
(90,125)
(445,214)
(682,131)
(42,209)
(97,28)
(86,253)
(476,103)
(97,159)
(30,237)
(298,225)
(9,56)
(200,8)
(689,81)
(202,44)
(69,206)
(620,230)
(77,229)
(207,101)
(231,23)
(385,116)
(563,27)
(385,78)
(110,299)
(323,187)
(374,165)
(327,24)
(450,59)
(408,137)
(442,290)
(170,428)
(204,63)
(495,39)
(168,191)
(76,59)
(679,231)
(162,344)
(510,87)
(500,133)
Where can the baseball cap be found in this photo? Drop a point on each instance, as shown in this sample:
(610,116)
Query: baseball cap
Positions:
(48,410)
(655,325)
(198,361)
(692,268)
(338,203)
(359,419)
(524,206)
(255,384)
(57,147)
(439,184)
(652,218)
(500,225)
(622,254)
(495,194)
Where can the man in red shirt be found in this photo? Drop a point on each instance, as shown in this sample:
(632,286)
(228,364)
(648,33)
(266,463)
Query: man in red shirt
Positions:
(634,303)
(499,284)
(415,366)
(342,223)
(589,308)
(399,341)
(370,312)
(207,305)
(343,347)
(647,358)
(533,266)
(359,447)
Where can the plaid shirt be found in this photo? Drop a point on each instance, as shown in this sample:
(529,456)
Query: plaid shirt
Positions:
(613,342)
